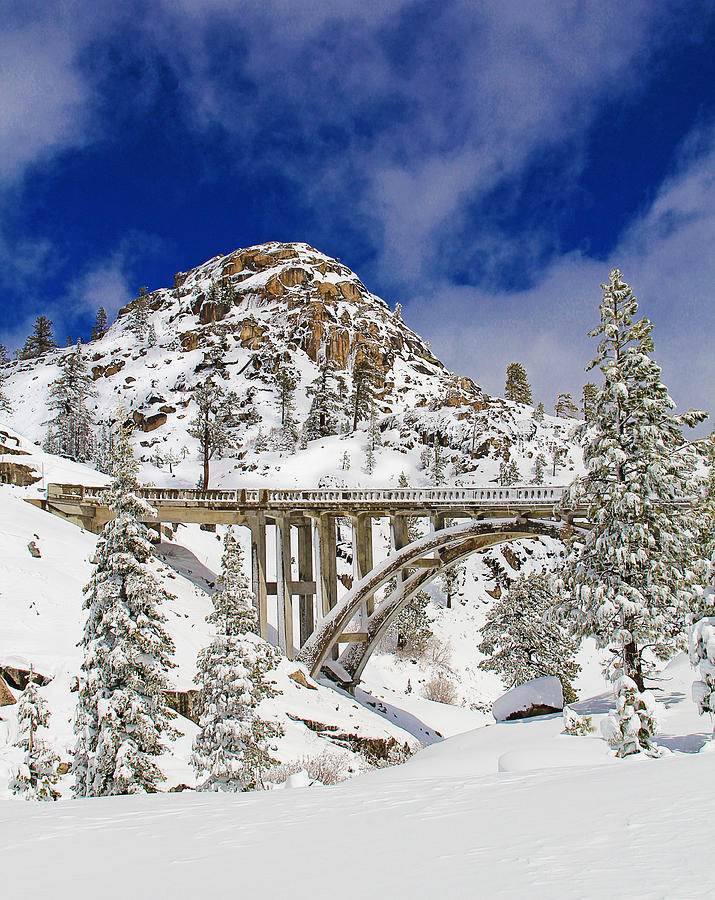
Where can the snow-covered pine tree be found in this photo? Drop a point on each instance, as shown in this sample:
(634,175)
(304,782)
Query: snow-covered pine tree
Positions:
(260,444)
(588,400)
(70,429)
(437,467)
(345,462)
(452,582)
(702,655)
(539,412)
(326,407)
(517,387)
(509,472)
(5,405)
(635,722)
(370,459)
(41,340)
(212,423)
(564,407)
(539,464)
(286,382)
(231,750)
(413,626)
(122,717)
(99,329)
(629,582)
(37,775)
(367,381)
(521,641)
(139,314)
(4,358)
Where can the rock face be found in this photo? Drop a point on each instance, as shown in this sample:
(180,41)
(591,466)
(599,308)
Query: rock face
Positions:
(242,317)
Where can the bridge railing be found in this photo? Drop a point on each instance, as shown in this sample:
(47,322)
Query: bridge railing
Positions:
(488,495)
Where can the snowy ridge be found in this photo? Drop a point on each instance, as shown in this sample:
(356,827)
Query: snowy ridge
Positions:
(288,304)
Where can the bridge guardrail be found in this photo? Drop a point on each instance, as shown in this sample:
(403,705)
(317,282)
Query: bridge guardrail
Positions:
(488,495)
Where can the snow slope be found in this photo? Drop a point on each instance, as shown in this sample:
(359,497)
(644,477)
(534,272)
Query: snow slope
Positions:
(42,621)
(292,306)
(509,810)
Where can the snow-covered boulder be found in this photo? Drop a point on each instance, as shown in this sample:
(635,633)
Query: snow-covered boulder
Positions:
(536,697)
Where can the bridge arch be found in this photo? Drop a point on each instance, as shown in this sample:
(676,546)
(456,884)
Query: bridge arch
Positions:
(450,545)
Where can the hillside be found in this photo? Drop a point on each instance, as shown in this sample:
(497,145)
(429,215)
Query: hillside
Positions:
(242,318)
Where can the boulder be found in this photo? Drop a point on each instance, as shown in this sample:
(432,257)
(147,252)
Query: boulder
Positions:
(149,423)
(294,275)
(536,697)
(7,698)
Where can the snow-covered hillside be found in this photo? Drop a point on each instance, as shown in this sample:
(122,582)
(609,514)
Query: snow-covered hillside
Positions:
(240,318)
(42,620)
(511,810)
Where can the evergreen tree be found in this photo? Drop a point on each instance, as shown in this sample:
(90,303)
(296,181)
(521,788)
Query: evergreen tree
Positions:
(367,381)
(122,713)
(539,464)
(286,382)
(345,463)
(37,776)
(426,458)
(231,749)
(70,429)
(556,454)
(565,408)
(635,722)
(139,322)
(260,444)
(520,640)
(509,472)
(627,582)
(588,401)
(99,329)
(539,412)
(40,341)
(452,582)
(370,460)
(227,292)
(517,387)
(413,625)
(437,473)
(4,358)
(5,405)
(212,422)
(325,409)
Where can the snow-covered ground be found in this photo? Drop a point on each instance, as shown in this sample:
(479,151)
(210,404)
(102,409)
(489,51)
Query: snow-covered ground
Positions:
(517,809)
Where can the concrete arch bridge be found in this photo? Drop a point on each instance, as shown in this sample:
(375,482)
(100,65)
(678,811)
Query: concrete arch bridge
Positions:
(332,633)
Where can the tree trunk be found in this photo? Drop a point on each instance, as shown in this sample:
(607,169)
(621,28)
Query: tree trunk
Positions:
(632,664)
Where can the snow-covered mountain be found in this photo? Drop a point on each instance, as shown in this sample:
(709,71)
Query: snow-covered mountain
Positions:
(242,317)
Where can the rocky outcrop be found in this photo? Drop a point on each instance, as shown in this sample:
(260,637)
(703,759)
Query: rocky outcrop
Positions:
(149,423)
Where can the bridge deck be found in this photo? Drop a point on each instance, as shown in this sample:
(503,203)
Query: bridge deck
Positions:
(493,501)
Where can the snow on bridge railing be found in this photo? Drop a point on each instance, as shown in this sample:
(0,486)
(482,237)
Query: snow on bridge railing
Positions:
(488,495)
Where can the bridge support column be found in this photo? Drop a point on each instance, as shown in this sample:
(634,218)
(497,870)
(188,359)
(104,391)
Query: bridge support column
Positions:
(327,580)
(398,535)
(284,586)
(362,555)
(305,576)
(258,572)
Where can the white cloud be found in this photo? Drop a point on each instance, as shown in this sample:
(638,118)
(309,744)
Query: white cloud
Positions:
(666,255)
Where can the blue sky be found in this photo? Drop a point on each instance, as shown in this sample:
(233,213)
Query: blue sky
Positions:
(483,163)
